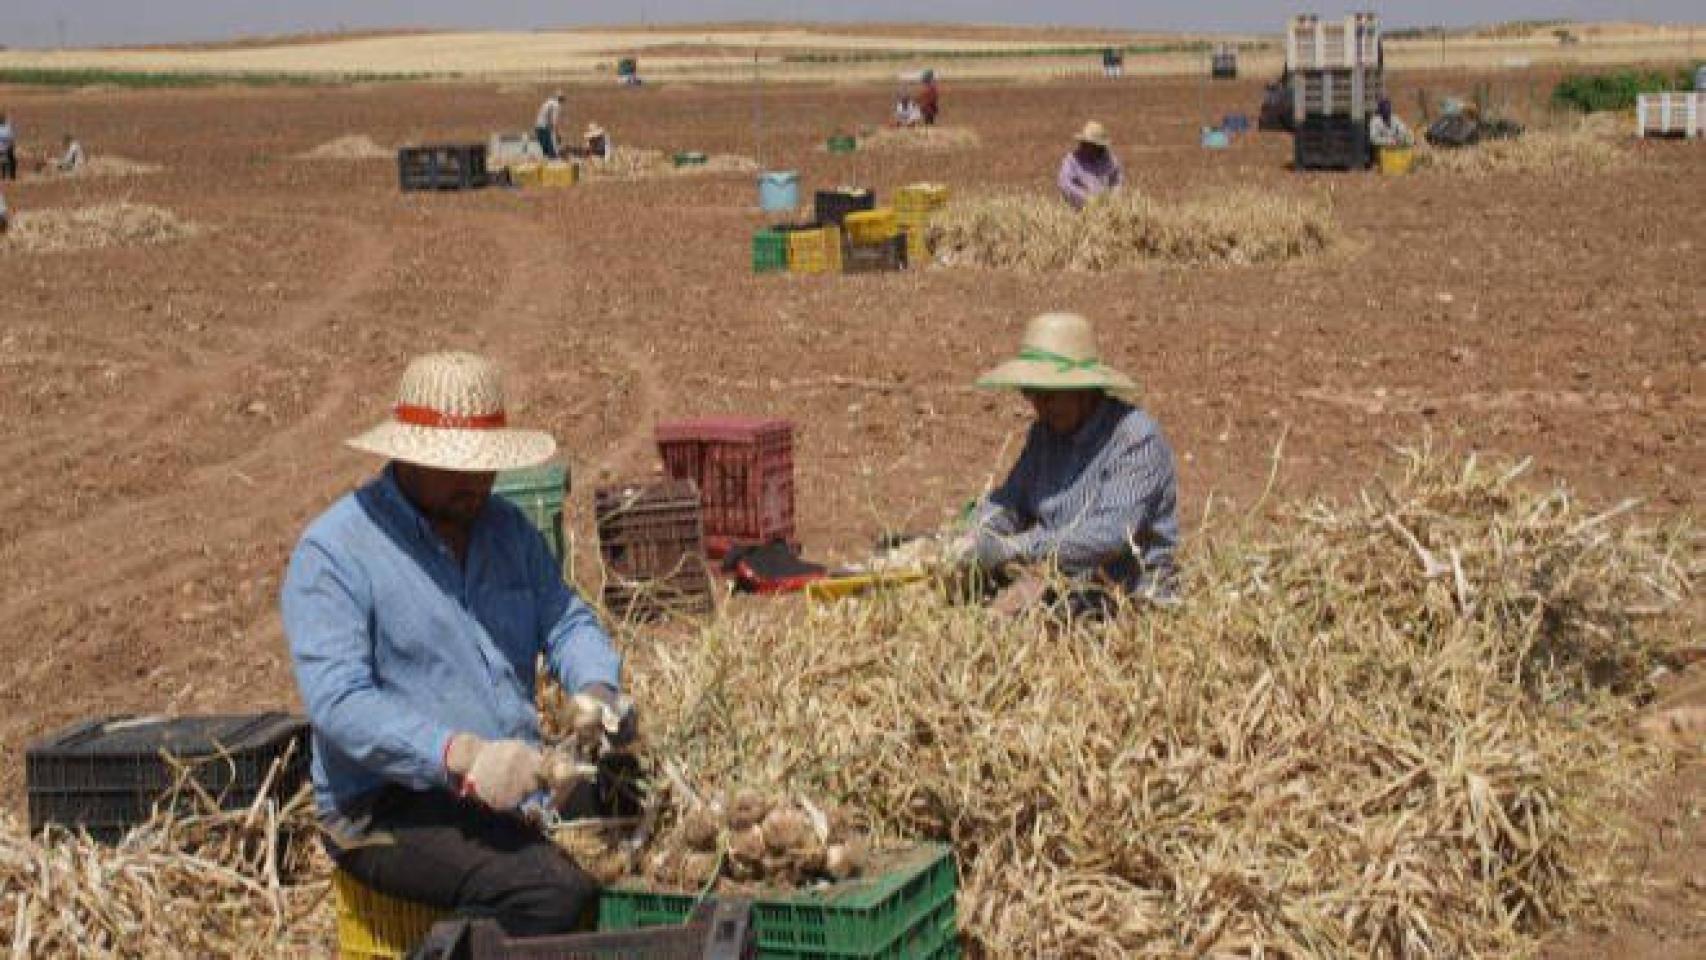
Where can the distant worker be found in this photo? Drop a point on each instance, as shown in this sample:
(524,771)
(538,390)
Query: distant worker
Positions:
(597,143)
(1091,168)
(1094,491)
(906,112)
(545,125)
(73,159)
(5,216)
(1386,130)
(8,150)
(929,98)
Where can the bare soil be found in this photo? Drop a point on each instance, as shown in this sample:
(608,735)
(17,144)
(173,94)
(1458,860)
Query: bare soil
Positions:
(175,411)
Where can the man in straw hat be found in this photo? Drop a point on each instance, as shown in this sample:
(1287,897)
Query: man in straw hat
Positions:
(1093,492)
(1090,168)
(416,609)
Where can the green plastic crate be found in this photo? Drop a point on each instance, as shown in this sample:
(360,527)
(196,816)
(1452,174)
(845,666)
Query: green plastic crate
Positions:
(842,143)
(906,913)
(769,251)
(539,492)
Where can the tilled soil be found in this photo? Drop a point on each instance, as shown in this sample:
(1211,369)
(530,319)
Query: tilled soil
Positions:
(175,411)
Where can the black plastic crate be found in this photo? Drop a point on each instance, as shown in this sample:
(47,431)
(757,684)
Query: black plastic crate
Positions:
(1332,143)
(717,930)
(830,207)
(106,775)
(875,257)
(442,166)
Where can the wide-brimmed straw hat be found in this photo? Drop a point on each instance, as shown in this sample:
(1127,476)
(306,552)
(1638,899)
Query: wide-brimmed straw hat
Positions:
(450,415)
(1095,133)
(593,130)
(1058,353)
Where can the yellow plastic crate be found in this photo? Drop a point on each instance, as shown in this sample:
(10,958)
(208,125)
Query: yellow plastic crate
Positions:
(814,251)
(921,197)
(560,173)
(527,174)
(917,249)
(373,926)
(871,226)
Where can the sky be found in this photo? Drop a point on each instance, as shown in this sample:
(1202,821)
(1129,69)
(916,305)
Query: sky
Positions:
(47,23)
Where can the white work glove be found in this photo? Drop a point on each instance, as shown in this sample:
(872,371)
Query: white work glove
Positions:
(500,775)
(617,719)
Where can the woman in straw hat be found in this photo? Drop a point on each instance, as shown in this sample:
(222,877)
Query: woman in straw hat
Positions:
(597,143)
(1090,168)
(1093,493)
(416,609)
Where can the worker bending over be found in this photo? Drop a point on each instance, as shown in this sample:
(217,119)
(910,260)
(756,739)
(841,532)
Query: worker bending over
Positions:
(1093,493)
(545,125)
(1090,168)
(416,609)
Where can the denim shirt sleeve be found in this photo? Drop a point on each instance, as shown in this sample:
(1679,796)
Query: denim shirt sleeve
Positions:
(577,650)
(327,610)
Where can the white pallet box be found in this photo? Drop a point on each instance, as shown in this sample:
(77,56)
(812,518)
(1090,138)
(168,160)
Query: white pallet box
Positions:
(1312,43)
(1670,114)
(1336,93)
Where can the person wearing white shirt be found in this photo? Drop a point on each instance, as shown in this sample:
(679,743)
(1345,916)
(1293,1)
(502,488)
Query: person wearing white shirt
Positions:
(545,125)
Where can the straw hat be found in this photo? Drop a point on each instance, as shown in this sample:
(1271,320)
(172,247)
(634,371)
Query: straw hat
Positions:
(1058,353)
(593,130)
(1095,133)
(450,415)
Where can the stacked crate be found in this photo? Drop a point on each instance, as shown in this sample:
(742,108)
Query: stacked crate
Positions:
(442,166)
(914,206)
(874,243)
(1336,81)
(744,469)
(814,249)
(1671,114)
(652,542)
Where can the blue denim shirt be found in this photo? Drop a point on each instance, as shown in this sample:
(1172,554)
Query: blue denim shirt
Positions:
(396,646)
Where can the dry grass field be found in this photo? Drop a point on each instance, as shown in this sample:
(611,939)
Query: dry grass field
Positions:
(179,371)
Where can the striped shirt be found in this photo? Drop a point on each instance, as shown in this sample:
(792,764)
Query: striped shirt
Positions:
(1102,500)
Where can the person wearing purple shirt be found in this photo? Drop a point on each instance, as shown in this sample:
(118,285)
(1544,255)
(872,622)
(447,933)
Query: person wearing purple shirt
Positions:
(1091,168)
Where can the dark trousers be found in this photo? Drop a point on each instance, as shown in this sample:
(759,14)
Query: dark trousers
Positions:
(435,849)
(9,164)
(547,142)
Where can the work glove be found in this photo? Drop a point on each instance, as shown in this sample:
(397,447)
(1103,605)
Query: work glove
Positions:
(501,774)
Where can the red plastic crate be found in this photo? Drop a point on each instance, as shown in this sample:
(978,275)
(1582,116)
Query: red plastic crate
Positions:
(745,470)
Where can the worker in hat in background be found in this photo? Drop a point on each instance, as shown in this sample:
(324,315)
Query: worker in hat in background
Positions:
(545,125)
(1386,130)
(597,143)
(1093,494)
(929,99)
(73,159)
(1090,168)
(416,609)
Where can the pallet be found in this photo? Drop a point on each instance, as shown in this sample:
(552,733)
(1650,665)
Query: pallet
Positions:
(1671,114)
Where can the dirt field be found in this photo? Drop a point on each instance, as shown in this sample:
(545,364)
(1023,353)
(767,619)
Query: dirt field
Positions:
(176,410)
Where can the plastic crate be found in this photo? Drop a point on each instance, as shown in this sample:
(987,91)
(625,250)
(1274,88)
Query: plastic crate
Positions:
(744,467)
(817,250)
(106,775)
(831,206)
(1313,43)
(559,173)
(890,255)
(538,492)
(373,926)
(921,198)
(1331,143)
(769,251)
(688,158)
(651,540)
(842,143)
(442,166)
(871,226)
(716,930)
(1351,92)
(905,912)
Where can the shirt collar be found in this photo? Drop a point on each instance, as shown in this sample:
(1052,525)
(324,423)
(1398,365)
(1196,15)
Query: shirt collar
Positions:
(399,506)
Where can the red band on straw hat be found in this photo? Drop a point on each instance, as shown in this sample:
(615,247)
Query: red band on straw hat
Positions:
(428,417)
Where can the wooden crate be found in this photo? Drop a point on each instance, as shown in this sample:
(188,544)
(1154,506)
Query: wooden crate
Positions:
(1670,114)
(1312,43)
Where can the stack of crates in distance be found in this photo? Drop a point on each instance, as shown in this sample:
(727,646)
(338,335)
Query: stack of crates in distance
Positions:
(914,205)
(652,541)
(830,207)
(905,911)
(874,242)
(744,468)
(442,166)
(1223,63)
(1336,81)
(1671,114)
(105,776)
